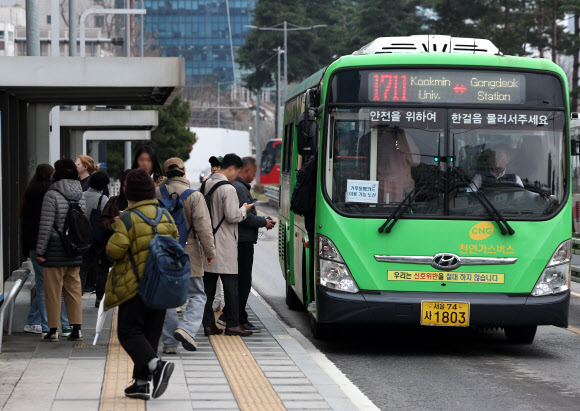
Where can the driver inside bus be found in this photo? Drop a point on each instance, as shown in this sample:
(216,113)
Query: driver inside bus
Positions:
(497,172)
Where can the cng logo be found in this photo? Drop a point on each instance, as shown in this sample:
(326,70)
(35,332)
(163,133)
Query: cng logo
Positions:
(481,231)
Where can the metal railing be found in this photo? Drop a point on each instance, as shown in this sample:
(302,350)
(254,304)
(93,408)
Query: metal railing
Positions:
(19,277)
(272,193)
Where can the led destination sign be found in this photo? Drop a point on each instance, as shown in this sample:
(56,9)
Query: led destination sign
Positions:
(437,86)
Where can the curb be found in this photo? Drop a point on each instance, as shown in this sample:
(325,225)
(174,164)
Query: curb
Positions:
(351,399)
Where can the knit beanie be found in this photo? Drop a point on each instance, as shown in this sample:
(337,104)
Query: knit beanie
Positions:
(139,186)
(65,169)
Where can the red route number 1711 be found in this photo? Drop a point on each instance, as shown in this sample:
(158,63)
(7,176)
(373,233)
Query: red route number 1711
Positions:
(386,82)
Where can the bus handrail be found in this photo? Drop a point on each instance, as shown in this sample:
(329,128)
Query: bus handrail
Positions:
(19,276)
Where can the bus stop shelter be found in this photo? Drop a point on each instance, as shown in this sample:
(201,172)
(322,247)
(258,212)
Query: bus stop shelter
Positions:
(77,128)
(31,86)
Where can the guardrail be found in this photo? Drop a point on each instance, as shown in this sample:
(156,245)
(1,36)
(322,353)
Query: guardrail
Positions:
(19,277)
(272,193)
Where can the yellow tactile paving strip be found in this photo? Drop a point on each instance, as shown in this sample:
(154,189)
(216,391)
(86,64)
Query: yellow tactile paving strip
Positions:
(118,375)
(249,385)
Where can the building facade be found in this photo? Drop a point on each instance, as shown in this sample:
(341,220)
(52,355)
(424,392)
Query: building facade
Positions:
(199,31)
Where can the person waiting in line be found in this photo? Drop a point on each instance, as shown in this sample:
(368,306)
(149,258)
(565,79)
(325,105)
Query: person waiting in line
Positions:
(95,265)
(113,210)
(86,167)
(200,237)
(61,272)
(139,327)
(146,159)
(215,162)
(497,172)
(226,213)
(248,236)
(30,209)
(218,302)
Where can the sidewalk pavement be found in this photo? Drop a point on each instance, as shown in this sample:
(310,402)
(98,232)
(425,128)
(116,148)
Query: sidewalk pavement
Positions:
(276,369)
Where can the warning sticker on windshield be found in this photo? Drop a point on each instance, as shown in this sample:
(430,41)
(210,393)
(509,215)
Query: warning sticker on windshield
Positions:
(486,278)
(362,191)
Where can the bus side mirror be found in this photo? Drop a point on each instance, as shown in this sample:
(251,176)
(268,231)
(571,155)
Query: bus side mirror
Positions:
(307,140)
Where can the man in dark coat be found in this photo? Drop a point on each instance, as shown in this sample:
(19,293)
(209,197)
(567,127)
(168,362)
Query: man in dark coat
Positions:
(248,236)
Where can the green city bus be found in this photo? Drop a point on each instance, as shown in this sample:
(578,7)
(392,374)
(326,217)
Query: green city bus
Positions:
(442,189)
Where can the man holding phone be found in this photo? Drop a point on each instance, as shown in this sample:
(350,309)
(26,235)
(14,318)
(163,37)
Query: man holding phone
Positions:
(248,236)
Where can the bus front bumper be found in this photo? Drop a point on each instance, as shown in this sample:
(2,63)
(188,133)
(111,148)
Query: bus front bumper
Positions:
(399,307)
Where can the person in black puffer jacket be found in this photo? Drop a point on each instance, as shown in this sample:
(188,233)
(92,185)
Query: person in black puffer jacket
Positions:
(60,271)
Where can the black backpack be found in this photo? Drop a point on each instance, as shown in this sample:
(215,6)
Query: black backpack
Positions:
(303,199)
(77,235)
(94,218)
(208,202)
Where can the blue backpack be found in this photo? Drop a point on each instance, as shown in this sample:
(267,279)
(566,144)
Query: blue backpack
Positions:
(174,204)
(165,281)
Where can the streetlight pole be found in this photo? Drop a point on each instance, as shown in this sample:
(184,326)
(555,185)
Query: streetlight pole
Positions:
(286,29)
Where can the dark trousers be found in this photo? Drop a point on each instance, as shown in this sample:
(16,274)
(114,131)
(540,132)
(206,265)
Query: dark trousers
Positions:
(139,331)
(245,263)
(230,283)
(94,270)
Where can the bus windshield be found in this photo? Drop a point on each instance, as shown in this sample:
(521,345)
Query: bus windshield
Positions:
(376,157)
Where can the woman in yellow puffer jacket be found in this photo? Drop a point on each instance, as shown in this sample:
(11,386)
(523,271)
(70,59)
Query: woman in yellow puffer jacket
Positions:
(139,327)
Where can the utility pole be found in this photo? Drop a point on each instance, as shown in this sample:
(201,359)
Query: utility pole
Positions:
(127,145)
(576,65)
(72,27)
(219,107)
(32,33)
(279,113)
(257,136)
(285,60)
(54,28)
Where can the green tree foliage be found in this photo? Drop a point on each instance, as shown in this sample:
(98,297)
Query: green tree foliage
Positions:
(351,25)
(384,18)
(172,137)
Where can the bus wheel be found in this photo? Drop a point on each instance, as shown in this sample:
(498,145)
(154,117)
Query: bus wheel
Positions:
(320,331)
(521,335)
(292,300)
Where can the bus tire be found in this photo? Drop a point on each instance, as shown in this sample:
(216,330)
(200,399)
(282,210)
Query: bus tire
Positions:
(292,300)
(320,331)
(521,335)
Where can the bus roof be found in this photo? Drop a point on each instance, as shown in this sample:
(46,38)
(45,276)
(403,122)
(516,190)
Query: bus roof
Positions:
(420,59)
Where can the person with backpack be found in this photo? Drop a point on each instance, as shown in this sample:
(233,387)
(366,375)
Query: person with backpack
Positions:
(225,213)
(61,205)
(95,265)
(189,210)
(139,325)
(30,209)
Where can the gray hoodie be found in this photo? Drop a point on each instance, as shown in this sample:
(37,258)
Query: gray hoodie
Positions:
(55,209)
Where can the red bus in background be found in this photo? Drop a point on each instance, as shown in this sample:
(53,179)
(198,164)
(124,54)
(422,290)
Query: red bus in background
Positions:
(270,167)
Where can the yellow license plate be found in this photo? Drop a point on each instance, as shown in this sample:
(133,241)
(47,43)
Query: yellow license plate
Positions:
(445,313)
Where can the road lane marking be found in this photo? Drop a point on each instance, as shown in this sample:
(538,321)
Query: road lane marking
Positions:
(574,329)
(575,294)
(276,219)
(250,387)
(118,373)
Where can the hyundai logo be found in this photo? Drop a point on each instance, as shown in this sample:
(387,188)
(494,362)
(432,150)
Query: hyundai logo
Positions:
(446,262)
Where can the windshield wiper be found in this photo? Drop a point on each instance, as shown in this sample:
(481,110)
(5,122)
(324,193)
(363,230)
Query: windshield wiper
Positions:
(484,201)
(401,209)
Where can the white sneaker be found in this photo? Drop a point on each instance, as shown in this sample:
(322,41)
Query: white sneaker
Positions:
(33,328)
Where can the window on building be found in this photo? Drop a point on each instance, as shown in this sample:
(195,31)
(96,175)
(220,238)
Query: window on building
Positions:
(48,20)
(99,21)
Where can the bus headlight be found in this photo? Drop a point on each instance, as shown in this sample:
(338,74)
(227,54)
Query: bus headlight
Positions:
(332,271)
(555,278)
